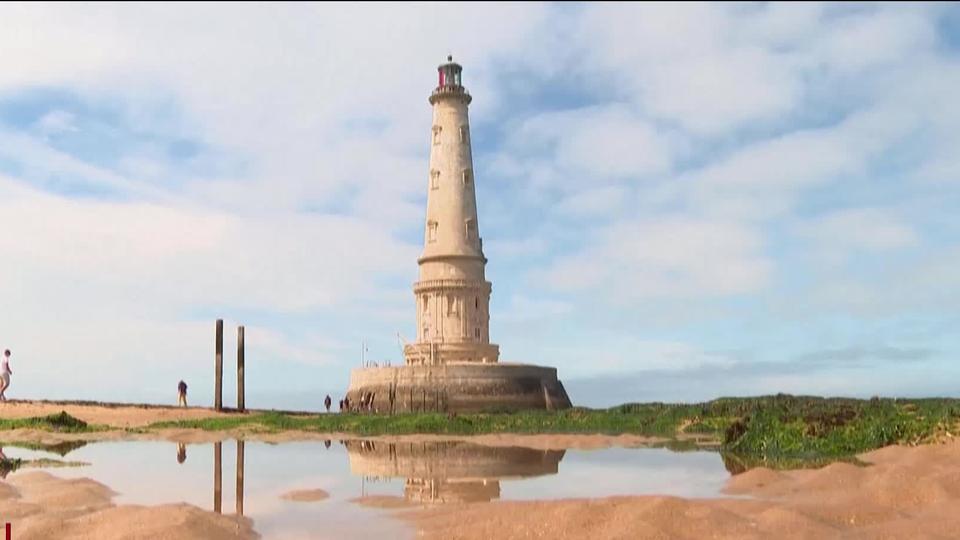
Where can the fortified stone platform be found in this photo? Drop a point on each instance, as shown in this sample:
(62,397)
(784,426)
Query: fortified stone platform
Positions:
(461,387)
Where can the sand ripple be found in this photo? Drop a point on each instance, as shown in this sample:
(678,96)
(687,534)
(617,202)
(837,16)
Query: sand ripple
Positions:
(40,506)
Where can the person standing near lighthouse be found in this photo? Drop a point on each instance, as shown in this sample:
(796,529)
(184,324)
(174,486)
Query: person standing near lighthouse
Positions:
(182,394)
(5,373)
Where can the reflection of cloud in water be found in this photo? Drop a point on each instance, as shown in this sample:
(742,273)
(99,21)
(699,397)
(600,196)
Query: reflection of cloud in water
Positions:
(623,471)
(364,477)
(448,471)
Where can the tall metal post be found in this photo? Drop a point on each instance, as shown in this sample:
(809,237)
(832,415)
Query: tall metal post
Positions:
(218,375)
(241,402)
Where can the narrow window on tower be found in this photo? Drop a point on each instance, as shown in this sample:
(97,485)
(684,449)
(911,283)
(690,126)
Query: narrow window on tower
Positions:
(470,229)
(476,332)
(467,176)
(476,302)
(464,134)
(436,134)
(431,231)
(434,179)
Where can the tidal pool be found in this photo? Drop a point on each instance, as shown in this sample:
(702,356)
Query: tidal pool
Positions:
(367,481)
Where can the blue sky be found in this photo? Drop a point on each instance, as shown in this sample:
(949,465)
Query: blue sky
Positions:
(678,202)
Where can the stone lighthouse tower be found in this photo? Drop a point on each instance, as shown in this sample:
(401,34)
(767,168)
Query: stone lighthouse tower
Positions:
(453,295)
(452,366)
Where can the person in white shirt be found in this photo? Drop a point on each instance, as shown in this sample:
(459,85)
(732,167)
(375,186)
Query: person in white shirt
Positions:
(5,373)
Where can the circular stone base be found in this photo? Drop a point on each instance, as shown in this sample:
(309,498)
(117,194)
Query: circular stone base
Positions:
(464,387)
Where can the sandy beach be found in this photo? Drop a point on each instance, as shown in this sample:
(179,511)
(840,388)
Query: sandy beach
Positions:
(41,506)
(904,493)
(120,415)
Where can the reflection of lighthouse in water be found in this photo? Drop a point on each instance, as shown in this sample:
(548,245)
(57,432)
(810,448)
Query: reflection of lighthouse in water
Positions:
(449,472)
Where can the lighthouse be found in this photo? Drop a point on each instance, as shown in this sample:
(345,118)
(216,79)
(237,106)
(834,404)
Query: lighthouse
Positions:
(452,366)
(452,294)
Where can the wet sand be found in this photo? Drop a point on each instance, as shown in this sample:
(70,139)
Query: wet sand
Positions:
(40,506)
(906,493)
(115,415)
(306,495)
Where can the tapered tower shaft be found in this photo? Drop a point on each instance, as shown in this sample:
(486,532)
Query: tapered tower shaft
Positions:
(452,294)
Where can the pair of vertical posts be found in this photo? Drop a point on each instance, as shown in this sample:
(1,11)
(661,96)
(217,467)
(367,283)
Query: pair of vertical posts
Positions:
(218,390)
(218,405)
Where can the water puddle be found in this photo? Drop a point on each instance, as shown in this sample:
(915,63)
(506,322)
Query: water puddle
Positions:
(367,481)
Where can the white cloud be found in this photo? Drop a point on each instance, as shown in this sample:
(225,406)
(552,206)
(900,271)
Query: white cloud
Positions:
(627,355)
(684,64)
(39,160)
(606,141)
(56,122)
(523,308)
(713,92)
(875,39)
(762,180)
(503,248)
(190,255)
(925,284)
(838,234)
(671,257)
(597,202)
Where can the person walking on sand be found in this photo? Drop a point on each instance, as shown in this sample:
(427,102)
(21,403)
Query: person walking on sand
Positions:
(327,402)
(5,373)
(182,394)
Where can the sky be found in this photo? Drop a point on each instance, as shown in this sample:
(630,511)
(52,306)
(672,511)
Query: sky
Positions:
(678,201)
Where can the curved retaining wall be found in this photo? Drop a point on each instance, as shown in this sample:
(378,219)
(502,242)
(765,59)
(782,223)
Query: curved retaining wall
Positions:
(467,387)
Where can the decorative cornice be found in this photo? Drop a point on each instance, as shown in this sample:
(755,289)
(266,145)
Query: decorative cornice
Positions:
(432,285)
(431,258)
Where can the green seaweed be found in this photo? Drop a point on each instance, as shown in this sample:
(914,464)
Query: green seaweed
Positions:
(780,427)
(60,422)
